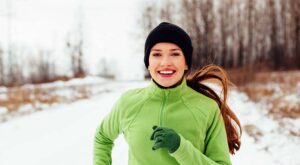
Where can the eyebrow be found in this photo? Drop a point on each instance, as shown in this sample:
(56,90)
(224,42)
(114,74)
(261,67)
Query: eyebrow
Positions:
(156,50)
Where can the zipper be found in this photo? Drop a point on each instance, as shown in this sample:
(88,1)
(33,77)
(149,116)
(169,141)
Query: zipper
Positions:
(166,93)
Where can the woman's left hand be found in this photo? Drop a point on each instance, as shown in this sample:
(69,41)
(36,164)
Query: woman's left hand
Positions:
(165,138)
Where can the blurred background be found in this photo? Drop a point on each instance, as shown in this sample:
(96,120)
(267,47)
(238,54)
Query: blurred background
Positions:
(75,57)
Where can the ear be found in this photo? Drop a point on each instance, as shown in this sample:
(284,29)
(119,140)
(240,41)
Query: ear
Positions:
(186,67)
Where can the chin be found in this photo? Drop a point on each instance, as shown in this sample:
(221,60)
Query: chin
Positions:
(166,84)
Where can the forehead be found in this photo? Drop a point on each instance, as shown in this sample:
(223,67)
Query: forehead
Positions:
(165,45)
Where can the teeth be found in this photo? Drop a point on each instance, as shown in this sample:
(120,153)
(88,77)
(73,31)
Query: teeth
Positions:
(166,72)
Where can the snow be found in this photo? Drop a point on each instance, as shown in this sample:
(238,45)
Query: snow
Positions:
(3,90)
(73,82)
(61,135)
(291,98)
(64,134)
(275,145)
(26,108)
(3,110)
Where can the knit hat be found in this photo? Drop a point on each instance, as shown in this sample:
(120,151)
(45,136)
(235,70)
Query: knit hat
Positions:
(167,32)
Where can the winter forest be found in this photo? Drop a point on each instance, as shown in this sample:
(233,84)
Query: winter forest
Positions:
(236,33)
(63,64)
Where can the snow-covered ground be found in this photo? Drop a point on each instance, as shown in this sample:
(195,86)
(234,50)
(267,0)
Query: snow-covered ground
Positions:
(64,135)
(270,141)
(61,135)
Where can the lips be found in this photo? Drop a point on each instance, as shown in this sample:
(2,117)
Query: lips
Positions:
(166,73)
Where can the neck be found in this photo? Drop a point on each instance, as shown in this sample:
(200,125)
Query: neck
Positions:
(173,86)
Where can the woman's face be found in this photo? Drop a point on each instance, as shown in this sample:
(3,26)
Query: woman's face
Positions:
(166,64)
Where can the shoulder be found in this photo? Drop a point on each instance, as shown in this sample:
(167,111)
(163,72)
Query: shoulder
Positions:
(200,103)
(134,93)
(133,96)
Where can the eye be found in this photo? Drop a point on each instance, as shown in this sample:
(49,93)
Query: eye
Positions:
(156,54)
(175,54)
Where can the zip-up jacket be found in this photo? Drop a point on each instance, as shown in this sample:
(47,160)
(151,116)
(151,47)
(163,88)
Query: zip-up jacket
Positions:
(194,116)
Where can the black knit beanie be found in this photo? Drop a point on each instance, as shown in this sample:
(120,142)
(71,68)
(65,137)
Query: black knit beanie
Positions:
(167,32)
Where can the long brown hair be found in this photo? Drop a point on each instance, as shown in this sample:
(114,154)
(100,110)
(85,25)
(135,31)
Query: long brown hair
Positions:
(232,124)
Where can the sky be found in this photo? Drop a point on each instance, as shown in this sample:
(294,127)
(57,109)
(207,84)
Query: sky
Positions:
(111,30)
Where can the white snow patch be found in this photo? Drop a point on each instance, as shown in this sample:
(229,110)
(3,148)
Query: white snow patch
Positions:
(3,110)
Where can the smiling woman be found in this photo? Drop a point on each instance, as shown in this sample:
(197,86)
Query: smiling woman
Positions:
(175,120)
(167,64)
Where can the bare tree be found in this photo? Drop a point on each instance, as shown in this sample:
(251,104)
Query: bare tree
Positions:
(44,67)
(198,18)
(151,16)
(250,11)
(252,34)
(104,69)
(295,13)
(274,51)
(167,11)
(14,75)
(206,9)
(192,23)
(240,37)
(224,27)
(74,44)
(283,13)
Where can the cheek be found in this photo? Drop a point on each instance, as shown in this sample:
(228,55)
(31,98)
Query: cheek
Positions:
(181,64)
(151,68)
(152,64)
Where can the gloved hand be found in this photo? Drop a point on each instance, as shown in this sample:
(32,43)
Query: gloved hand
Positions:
(165,138)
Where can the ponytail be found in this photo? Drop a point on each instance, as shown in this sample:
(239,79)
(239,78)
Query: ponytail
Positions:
(232,123)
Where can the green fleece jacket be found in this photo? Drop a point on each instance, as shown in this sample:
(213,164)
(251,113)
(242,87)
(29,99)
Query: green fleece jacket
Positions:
(195,117)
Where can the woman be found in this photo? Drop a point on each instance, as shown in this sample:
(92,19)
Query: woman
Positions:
(176,119)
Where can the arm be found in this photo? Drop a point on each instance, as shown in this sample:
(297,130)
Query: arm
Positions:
(216,148)
(106,133)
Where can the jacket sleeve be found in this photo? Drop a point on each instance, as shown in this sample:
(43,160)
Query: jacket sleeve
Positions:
(105,135)
(216,148)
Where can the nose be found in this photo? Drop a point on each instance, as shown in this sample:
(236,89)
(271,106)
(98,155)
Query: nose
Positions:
(165,61)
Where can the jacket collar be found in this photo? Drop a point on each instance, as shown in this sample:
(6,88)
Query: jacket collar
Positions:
(171,93)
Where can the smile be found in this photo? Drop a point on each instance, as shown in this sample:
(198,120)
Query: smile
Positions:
(166,73)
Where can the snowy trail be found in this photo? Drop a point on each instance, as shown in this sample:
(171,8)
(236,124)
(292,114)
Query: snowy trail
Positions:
(59,136)
(64,135)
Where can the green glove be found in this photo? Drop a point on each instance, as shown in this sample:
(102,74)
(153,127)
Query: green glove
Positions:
(165,138)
